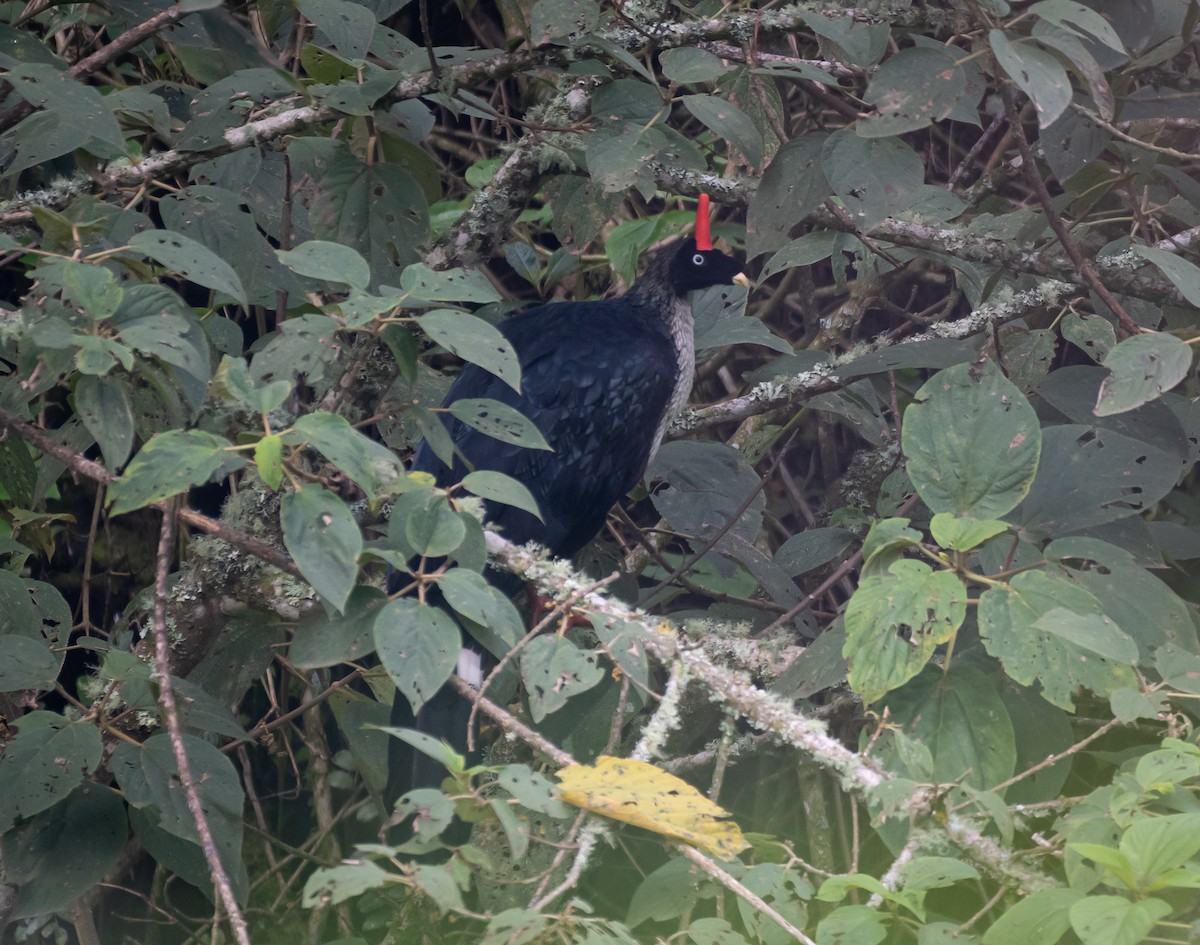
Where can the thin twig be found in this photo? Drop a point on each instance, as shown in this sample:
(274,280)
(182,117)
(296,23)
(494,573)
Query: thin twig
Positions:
(166,696)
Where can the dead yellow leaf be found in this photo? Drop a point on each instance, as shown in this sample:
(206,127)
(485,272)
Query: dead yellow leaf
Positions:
(638,793)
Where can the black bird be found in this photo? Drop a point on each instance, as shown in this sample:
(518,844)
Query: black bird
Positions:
(600,380)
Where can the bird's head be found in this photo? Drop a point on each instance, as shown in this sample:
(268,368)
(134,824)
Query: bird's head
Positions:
(695,264)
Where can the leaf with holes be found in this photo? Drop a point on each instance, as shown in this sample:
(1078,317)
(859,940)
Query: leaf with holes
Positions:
(192,260)
(323,539)
(499,421)
(474,340)
(418,645)
(1143,368)
(170,463)
(554,669)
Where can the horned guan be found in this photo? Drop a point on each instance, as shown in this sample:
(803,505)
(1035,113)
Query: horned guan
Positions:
(601,380)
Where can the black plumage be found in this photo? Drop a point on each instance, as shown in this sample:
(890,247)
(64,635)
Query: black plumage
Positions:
(600,380)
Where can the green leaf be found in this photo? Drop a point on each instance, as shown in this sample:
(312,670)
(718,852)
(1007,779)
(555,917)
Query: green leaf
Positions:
(102,403)
(92,289)
(1093,334)
(793,185)
(497,487)
(474,340)
(972,442)
(499,421)
(471,596)
(1039,918)
(1156,845)
(876,178)
(912,89)
(449,285)
(62,853)
(170,463)
(562,20)
(26,663)
(330,262)
(1076,18)
(234,376)
(553,670)
(1008,624)
(959,716)
(45,762)
(1184,274)
(268,457)
(369,463)
(1037,73)
(418,645)
(323,539)
(1143,368)
(1094,633)
(1111,920)
(687,65)
(524,261)
(192,260)
(348,27)
(432,527)
(333,885)
(962,533)
(325,640)
(729,123)
(149,776)
(808,249)
(895,621)
(861,925)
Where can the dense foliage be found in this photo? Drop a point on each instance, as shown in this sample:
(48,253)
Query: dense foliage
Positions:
(910,593)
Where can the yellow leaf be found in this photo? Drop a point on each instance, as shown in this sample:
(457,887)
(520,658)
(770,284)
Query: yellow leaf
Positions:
(638,793)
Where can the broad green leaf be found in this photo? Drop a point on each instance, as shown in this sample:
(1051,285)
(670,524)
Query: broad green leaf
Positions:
(102,403)
(1143,367)
(170,463)
(721,322)
(26,663)
(149,776)
(1094,633)
(46,760)
(418,645)
(499,421)
(1178,668)
(323,539)
(562,21)
(325,640)
(876,178)
(890,535)
(450,285)
(234,376)
(431,525)
(1090,475)
(474,340)
(687,65)
(1155,845)
(1041,918)
(347,26)
(729,123)
(533,790)
(1184,274)
(471,596)
(1008,618)
(1077,18)
(93,289)
(330,262)
(554,669)
(972,442)
(497,487)
(1037,72)
(192,260)
(912,89)
(861,925)
(333,885)
(61,854)
(369,463)
(524,261)
(808,249)
(936,872)
(1093,334)
(268,457)
(438,883)
(1112,920)
(793,185)
(959,716)
(894,622)
(962,533)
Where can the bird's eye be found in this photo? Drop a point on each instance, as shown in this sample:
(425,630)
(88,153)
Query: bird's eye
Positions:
(698,259)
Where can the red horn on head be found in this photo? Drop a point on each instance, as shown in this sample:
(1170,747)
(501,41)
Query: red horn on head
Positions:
(703,234)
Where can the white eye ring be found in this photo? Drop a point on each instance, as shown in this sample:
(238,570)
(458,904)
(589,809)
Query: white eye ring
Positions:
(698,259)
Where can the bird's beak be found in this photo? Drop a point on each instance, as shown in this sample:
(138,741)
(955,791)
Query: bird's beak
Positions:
(743,280)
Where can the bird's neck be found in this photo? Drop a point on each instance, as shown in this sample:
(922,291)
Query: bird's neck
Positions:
(680,327)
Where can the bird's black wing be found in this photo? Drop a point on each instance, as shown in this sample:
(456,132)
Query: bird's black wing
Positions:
(596,382)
